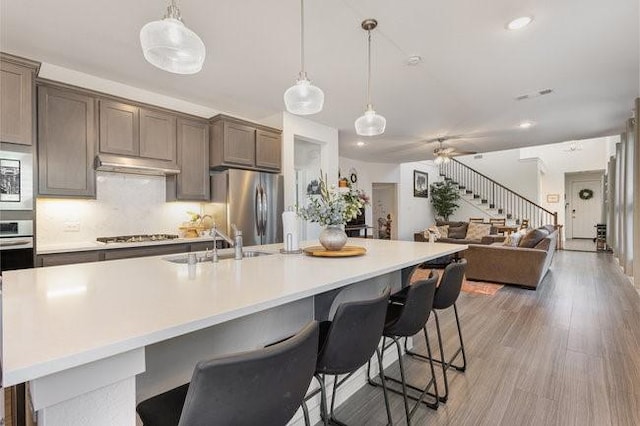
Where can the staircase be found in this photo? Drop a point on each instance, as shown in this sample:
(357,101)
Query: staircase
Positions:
(494,198)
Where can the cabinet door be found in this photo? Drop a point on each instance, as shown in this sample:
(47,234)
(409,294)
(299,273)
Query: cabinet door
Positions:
(268,149)
(16,104)
(119,128)
(239,144)
(69,258)
(157,135)
(193,160)
(67,140)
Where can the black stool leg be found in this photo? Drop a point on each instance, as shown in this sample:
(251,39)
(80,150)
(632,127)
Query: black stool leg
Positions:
(464,356)
(433,371)
(443,364)
(323,400)
(332,417)
(384,386)
(404,382)
(305,411)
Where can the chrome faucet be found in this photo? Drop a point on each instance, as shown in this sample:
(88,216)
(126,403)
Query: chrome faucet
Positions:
(236,242)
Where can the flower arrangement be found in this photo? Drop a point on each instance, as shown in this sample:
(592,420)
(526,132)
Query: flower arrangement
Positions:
(333,206)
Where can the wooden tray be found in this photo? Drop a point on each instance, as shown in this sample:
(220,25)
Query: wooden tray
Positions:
(347,251)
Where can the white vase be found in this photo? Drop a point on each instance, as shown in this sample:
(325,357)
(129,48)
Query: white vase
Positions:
(333,237)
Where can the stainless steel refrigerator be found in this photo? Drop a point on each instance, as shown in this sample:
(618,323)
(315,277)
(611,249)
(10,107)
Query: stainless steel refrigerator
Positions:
(254,201)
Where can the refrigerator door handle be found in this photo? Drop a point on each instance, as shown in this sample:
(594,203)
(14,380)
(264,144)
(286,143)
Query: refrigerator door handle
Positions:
(258,209)
(265,210)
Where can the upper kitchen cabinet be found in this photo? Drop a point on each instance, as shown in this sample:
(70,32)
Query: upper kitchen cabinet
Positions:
(67,140)
(17,79)
(119,128)
(157,135)
(237,143)
(134,131)
(192,184)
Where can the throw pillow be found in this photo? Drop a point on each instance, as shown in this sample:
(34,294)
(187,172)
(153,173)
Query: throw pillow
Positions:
(443,230)
(533,237)
(476,231)
(458,232)
(512,239)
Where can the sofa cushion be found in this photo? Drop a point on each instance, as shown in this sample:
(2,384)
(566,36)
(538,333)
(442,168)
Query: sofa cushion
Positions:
(454,224)
(443,230)
(533,237)
(458,231)
(475,231)
(512,239)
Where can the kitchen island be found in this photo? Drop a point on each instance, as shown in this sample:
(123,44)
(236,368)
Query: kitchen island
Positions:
(81,334)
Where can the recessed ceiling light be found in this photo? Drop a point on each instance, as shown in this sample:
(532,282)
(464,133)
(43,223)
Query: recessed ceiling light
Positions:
(526,124)
(414,60)
(519,23)
(360,143)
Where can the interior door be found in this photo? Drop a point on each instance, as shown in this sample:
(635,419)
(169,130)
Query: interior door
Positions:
(585,214)
(273,202)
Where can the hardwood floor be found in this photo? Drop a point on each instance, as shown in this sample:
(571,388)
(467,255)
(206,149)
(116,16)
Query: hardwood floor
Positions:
(566,354)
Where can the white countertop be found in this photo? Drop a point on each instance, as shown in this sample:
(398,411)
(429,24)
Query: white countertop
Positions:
(95,245)
(60,317)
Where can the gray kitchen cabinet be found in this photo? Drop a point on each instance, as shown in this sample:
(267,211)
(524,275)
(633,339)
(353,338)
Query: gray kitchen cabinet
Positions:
(67,139)
(237,143)
(17,99)
(119,128)
(127,253)
(157,135)
(202,246)
(192,184)
(268,150)
(68,258)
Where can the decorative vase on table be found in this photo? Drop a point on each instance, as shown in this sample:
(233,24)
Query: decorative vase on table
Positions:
(332,208)
(333,238)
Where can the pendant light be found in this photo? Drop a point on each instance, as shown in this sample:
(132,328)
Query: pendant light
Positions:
(170,45)
(370,124)
(303,98)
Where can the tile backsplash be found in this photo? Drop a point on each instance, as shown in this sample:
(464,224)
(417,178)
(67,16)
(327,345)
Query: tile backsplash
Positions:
(126,204)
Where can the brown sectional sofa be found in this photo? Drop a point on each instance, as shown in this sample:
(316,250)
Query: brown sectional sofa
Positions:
(512,265)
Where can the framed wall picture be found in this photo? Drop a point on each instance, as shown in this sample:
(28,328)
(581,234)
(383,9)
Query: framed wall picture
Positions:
(553,198)
(420,184)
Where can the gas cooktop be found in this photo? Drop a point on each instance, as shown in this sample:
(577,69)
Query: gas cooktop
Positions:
(136,238)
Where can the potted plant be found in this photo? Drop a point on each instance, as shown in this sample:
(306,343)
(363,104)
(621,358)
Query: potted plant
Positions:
(444,197)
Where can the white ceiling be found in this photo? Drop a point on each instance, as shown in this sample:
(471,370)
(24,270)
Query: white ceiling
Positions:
(588,51)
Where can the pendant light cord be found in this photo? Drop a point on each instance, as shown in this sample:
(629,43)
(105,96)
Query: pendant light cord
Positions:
(369,70)
(302,72)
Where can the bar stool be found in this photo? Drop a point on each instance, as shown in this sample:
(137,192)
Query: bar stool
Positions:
(407,316)
(347,342)
(264,386)
(445,297)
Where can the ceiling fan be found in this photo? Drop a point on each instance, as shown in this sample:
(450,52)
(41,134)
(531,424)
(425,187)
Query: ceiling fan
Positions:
(443,154)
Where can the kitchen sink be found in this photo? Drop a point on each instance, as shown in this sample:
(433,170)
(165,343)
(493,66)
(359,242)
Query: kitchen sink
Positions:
(202,257)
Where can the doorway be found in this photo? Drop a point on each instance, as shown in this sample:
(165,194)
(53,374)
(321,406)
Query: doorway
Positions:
(583,208)
(384,210)
(307,166)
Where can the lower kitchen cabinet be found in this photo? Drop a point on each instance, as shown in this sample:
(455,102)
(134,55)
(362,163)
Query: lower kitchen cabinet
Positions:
(208,245)
(67,139)
(128,253)
(56,259)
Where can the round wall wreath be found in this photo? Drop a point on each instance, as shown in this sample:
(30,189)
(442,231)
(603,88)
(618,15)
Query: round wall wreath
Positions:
(585,194)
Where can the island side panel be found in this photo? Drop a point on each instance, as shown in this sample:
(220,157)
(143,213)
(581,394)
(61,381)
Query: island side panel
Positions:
(170,363)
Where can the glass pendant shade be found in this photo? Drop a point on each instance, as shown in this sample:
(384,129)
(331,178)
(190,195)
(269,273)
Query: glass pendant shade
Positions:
(304,98)
(370,124)
(171,46)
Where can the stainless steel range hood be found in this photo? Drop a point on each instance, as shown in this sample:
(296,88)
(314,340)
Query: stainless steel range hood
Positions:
(139,166)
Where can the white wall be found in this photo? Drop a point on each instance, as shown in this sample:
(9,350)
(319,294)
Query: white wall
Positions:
(298,128)
(126,204)
(509,168)
(558,160)
(414,214)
